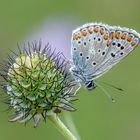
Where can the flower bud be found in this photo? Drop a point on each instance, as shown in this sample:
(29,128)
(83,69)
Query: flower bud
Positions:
(38,83)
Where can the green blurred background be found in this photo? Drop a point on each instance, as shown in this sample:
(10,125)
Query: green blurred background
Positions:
(96,118)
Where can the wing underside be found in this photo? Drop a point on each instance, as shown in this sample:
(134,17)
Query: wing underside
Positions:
(96,48)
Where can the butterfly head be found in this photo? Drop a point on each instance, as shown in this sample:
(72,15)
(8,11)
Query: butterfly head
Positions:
(90,85)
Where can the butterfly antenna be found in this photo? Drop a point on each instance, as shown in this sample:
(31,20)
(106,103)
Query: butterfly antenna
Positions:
(115,87)
(106,92)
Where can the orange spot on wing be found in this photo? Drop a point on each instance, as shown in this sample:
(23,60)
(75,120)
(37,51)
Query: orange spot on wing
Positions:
(84,33)
(106,36)
(90,30)
(129,39)
(133,44)
(96,29)
(123,36)
(99,47)
(118,36)
(108,43)
(76,37)
(102,31)
(112,34)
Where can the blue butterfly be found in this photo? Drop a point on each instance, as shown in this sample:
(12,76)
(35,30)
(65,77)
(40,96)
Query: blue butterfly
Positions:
(97,47)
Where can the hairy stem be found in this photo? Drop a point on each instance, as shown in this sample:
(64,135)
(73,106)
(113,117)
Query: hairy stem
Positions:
(61,127)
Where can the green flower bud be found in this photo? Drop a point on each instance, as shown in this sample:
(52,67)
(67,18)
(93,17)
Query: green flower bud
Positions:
(38,83)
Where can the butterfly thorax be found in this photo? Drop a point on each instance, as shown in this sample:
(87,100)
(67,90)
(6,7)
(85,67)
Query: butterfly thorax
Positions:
(80,77)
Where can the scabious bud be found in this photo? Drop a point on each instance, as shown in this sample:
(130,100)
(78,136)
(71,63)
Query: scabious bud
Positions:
(38,83)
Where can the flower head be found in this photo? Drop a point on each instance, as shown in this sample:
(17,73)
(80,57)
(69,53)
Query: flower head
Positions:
(38,83)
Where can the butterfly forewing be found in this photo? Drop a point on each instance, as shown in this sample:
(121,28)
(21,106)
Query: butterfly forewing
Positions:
(96,48)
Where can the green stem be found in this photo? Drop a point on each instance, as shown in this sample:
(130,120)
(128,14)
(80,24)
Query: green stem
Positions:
(61,127)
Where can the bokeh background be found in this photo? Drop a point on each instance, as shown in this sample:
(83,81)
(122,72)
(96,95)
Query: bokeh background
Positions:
(53,20)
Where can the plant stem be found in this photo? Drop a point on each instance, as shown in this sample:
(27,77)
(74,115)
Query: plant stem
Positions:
(61,127)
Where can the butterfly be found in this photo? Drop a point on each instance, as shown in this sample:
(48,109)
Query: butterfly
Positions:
(97,47)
